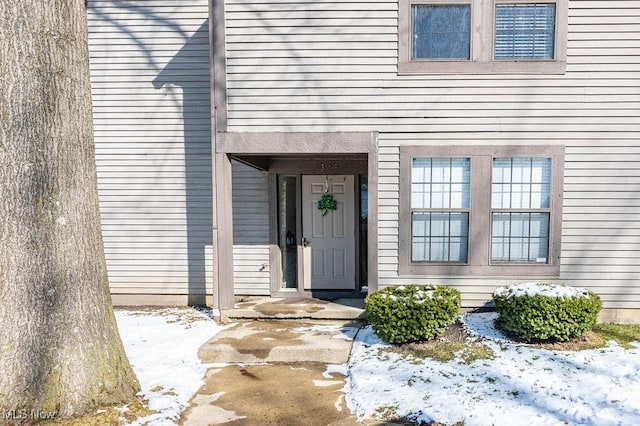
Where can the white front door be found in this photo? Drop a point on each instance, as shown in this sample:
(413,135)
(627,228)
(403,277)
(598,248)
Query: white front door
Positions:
(330,251)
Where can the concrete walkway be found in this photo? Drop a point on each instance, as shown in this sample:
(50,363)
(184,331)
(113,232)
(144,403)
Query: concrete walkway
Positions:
(297,308)
(276,373)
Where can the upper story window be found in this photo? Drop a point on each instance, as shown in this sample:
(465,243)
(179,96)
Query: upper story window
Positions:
(441,31)
(482,36)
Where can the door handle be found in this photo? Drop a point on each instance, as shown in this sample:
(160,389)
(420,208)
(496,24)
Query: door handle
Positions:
(305,242)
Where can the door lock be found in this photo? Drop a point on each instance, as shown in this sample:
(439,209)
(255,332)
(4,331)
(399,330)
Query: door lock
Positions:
(305,242)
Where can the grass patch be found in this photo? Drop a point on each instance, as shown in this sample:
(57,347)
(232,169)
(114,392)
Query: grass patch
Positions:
(622,334)
(589,340)
(446,351)
(454,344)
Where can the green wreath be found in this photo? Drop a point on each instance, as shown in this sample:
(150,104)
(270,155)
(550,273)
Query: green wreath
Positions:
(326,203)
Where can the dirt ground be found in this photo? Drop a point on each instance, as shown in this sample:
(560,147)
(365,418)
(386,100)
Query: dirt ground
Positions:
(270,394)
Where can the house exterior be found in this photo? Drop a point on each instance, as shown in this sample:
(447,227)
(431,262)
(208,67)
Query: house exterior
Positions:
(465,143)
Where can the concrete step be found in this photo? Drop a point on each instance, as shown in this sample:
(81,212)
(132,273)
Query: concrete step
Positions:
(289,341)
(297,308)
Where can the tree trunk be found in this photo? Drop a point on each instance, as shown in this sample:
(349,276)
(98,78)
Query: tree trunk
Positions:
(60,351)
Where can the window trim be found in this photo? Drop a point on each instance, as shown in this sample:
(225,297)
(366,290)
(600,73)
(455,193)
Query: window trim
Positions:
(479,243)
(482,43)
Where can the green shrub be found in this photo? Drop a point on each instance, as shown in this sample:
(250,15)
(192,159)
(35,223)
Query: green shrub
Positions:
(534,311)
(412,313)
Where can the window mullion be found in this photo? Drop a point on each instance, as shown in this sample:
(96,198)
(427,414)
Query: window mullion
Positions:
(480,210)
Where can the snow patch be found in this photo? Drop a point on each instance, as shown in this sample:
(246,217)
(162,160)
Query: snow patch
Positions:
(522,386)
(162,347)
(542,289)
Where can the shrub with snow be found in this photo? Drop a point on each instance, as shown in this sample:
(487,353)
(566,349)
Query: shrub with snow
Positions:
(412,313)
(536,311)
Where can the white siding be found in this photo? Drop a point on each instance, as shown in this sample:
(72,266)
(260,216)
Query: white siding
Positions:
(250,230)
(150,84)
(310,65)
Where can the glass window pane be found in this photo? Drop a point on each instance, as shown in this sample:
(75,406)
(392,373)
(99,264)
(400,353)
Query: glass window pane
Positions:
(529,185)
(520,237)
(458,249)
(501,170)
(459,170)
(421,170)
(540,170)
(525,31)
(421,226)
(501,225)
(440,196)
(520,196)
(439,237)
(538,250)
(419,250)
(441,170)
(520,170)
(500,249)
(501,196)
(539,225)
(439,249)
(441,31)
(440,183)
(420,196)
(459,197)
(439,224)
(458,225)
(287,189)
(518,250)
(519,224)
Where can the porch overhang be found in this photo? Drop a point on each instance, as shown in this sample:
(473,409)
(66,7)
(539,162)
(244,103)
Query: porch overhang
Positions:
(356,151)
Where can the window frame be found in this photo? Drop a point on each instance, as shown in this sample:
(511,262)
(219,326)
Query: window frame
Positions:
(482,42)
(479,260)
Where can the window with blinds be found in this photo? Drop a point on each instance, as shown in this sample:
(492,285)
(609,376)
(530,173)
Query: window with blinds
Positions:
(521,209)
(525,31)
(440,209)
(482,36)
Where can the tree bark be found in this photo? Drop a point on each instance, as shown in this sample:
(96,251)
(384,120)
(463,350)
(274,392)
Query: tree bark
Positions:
(60,351)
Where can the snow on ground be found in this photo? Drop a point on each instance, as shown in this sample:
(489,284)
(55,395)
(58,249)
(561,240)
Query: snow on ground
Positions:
(162,347)
(521,386)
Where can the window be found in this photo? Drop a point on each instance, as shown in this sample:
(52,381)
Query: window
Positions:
(525,31)
(485,210)
(439,209)
(520,209)
(441,31)
(482,36)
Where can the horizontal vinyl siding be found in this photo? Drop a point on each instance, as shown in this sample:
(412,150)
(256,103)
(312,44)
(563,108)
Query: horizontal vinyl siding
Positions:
(150,86)
(303,65)
(308,65)
(250,230)
(601,237)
